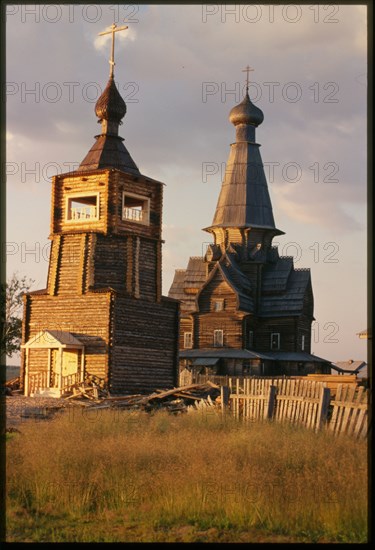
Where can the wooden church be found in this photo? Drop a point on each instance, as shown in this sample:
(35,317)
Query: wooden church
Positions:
(244,308)
(103,313)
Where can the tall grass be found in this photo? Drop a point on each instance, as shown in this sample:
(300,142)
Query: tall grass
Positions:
(120,476)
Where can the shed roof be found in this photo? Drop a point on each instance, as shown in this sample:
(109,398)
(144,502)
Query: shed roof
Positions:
(205,361)
(300,356)
(349,366)
(53,339)
(366,333)
(222,352)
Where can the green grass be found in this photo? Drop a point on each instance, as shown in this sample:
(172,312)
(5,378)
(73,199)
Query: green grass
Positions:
(113,476)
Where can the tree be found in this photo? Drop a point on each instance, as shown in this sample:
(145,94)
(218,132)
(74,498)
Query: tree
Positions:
(11,312)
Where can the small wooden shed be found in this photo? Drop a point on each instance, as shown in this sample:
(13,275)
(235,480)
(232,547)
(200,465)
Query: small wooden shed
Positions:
(62,356)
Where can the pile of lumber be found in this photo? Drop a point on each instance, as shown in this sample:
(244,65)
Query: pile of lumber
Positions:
(12,386)
(86,391)
(93,388)
(175,400)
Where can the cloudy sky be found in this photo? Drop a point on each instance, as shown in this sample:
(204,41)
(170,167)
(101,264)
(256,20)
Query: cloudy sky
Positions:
(179,69)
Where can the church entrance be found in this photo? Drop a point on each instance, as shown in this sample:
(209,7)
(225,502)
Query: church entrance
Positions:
(64,369)
(54,362)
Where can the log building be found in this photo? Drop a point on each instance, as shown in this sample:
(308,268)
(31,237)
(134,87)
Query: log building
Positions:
(102,312)
(244,308)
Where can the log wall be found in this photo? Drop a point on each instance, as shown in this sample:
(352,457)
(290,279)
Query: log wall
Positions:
(285,326)
(186,325)
(217,289)
(230,324)
(145,338)
(69,273)
(86,316)
(92,254)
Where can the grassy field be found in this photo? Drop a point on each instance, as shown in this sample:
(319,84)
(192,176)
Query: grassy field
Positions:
(120,477)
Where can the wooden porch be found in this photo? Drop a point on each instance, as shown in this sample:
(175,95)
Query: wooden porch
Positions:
(54,361)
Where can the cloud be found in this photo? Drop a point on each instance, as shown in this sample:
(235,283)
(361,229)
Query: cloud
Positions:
(121,38)
(309,208)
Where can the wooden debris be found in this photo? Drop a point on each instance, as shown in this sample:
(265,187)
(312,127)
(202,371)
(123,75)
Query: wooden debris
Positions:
(175,400)
(12,386)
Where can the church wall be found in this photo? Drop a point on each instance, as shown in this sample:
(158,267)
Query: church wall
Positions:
(208,320)
(206,324)
(186,325)
(234,236)
(148,274)
(144,347)
(286,326)
(69,268)
(110,262)
(217,289)
(38,361)
(304,329)
(86,316)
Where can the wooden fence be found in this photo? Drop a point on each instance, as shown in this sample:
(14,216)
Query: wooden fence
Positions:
(350,412)
(298,401)
(332,381)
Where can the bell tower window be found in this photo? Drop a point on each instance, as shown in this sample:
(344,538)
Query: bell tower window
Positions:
(135,208)
(82,207)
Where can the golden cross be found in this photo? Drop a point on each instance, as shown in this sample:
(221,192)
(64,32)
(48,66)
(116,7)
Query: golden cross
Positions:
(247,70)
(114,29)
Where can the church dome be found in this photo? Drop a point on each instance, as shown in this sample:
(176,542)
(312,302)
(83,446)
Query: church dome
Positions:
(110,105)
(246,113)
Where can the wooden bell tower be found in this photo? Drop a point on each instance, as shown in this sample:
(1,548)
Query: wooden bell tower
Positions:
(104,277)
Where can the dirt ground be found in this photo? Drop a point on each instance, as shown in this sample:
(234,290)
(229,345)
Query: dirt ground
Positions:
(20,409)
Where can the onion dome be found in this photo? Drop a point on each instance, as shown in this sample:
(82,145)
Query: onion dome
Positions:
(246,113)
(110,105)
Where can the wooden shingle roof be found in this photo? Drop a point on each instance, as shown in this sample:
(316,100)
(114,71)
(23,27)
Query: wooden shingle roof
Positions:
(238,281)
(109,152)
(244,199)
(275,277)
(290,301)
(187,282)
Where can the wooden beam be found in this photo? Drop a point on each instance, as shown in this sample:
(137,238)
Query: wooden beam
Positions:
(60,362)
(323,408)
(271,402)
(49,367)
(26,392)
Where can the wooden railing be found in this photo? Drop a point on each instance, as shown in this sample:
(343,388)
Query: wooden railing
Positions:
(37,381)
(70,380)
(83,212)
(134,214)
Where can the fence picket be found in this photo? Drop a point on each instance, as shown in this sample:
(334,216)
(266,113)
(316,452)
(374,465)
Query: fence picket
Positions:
(348,410)
(360,429)
(355,412)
